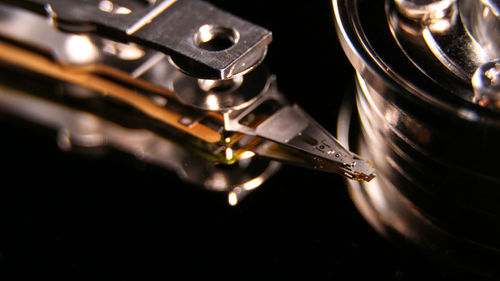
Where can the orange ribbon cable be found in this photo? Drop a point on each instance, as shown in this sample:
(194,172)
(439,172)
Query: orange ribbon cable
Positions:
(38,63)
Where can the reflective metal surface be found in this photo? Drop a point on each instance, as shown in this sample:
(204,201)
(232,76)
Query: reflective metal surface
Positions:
(99,213)
(218,95)
(82,129)
(481,18)
(220,121)
(432,139)
(201,39)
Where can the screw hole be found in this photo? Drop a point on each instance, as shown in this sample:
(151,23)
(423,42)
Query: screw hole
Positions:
(215,38)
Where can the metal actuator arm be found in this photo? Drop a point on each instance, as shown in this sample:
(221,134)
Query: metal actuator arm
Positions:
(201,40)
(121,51)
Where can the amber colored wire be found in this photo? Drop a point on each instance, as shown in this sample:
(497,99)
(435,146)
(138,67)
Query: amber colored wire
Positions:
(38,63)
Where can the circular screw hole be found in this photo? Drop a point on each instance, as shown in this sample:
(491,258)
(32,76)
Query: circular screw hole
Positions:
(215,38)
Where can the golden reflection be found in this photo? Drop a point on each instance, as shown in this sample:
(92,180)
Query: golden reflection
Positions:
(229,154)
(247,155)
(252,184)
(232,198)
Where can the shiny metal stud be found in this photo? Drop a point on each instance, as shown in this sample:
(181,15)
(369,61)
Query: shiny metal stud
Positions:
(486,84)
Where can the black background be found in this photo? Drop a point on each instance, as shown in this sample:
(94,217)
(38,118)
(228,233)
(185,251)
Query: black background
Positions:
(68,216)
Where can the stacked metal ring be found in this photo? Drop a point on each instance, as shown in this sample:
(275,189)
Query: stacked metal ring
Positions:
(428,79)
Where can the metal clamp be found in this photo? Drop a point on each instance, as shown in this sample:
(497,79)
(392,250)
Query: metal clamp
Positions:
(201,40)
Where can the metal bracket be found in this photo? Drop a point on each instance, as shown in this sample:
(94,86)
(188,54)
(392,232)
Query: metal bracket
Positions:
(201,40)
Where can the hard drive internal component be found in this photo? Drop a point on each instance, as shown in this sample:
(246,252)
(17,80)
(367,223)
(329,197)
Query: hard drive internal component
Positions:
(148,76)
(427,93)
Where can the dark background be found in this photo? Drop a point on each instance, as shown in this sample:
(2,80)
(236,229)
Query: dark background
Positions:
(68,216)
